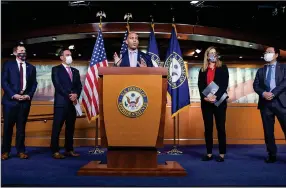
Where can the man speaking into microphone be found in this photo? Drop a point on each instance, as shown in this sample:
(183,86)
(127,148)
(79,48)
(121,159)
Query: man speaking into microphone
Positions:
(132,57)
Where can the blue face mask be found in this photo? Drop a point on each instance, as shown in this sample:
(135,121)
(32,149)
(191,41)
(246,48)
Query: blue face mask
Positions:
(212,58)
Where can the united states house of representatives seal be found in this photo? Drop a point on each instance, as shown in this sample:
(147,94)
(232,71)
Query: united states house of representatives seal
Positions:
(132,101)
(177,70)
(155,59)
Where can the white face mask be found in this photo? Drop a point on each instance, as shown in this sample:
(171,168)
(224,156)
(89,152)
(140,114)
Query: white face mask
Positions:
(68,60)
(268,57)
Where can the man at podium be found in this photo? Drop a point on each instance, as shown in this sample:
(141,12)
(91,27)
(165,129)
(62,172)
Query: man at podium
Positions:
(132,57)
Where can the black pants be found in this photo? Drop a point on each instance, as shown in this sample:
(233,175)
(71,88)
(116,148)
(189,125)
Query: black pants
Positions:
(208,111)
(18,115)
(63,115)
(268,113)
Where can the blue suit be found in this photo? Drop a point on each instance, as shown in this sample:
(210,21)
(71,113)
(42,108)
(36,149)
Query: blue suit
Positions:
(146,57)
(64,110)
(276,106)
(15,111)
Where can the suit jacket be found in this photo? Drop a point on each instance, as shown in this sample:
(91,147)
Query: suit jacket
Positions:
(10,81)
(221,79)
(64,86)
(279,91)
(125,59)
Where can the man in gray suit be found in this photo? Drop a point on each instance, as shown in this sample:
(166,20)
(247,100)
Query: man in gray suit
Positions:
(270,85)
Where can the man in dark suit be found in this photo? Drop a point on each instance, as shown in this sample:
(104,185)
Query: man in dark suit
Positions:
(133,57)
(68,87)
(19,84)
(270,85)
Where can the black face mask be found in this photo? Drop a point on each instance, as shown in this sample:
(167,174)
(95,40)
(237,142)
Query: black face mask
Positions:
(22,56)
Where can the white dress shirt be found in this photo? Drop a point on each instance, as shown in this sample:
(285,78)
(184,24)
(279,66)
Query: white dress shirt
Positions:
(133,57)
(24,74)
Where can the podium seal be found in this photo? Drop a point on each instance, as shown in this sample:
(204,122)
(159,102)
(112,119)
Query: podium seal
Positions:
(132,102)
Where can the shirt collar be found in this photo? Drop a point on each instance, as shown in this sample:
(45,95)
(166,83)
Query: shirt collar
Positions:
(133,51)
(20,62)
(272,65)
(66,66)
(211,68)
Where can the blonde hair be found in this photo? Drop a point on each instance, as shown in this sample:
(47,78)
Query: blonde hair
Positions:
(206,61)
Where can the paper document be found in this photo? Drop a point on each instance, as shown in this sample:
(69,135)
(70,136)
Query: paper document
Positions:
(223,97)
(212,88)
(78,109)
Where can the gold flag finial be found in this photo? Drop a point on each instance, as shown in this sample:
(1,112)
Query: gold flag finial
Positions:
(152,22)
(128,16)
(100,14)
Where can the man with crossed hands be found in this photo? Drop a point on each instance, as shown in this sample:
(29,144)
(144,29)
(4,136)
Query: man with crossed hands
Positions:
(19,83)
(270,85)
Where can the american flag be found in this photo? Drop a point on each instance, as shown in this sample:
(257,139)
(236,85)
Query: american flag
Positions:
(90,99)
(124,45)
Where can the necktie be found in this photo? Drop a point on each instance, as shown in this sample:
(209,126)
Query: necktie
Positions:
(21,76)
(268,77)
(70,73)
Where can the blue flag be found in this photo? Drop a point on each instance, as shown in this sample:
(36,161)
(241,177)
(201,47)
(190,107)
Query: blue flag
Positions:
(153,49)
(178,87)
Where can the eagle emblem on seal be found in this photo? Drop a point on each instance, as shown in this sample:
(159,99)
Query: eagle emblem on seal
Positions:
(132,101)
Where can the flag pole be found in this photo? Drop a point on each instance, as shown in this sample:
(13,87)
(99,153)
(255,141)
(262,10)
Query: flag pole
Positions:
(152,26)
(176,123)
(175,151)
(178,132)
(97,150)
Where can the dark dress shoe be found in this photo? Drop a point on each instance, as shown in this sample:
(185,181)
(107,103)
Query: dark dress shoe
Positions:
(207,158)
(57,155)
(271,159)
(220,159)
(5,156)
(22,155)
(71,154)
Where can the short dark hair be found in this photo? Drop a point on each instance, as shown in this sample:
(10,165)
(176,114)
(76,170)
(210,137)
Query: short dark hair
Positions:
(62,51)
(276,50)
(16,47)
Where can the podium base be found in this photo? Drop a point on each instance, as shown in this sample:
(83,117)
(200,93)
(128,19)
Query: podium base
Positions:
(94,168)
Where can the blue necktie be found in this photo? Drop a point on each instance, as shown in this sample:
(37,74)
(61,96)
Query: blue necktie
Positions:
(268,77)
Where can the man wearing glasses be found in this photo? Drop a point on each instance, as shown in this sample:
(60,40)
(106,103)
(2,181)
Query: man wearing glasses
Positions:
(270,85)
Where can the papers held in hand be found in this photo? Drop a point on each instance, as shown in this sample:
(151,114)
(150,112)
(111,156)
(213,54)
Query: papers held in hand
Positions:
(77,108)
(211,89)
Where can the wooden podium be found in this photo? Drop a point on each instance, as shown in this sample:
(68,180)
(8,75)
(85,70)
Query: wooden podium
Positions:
(132,103)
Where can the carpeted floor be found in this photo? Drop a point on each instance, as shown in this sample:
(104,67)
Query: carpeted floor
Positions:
(244,166)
